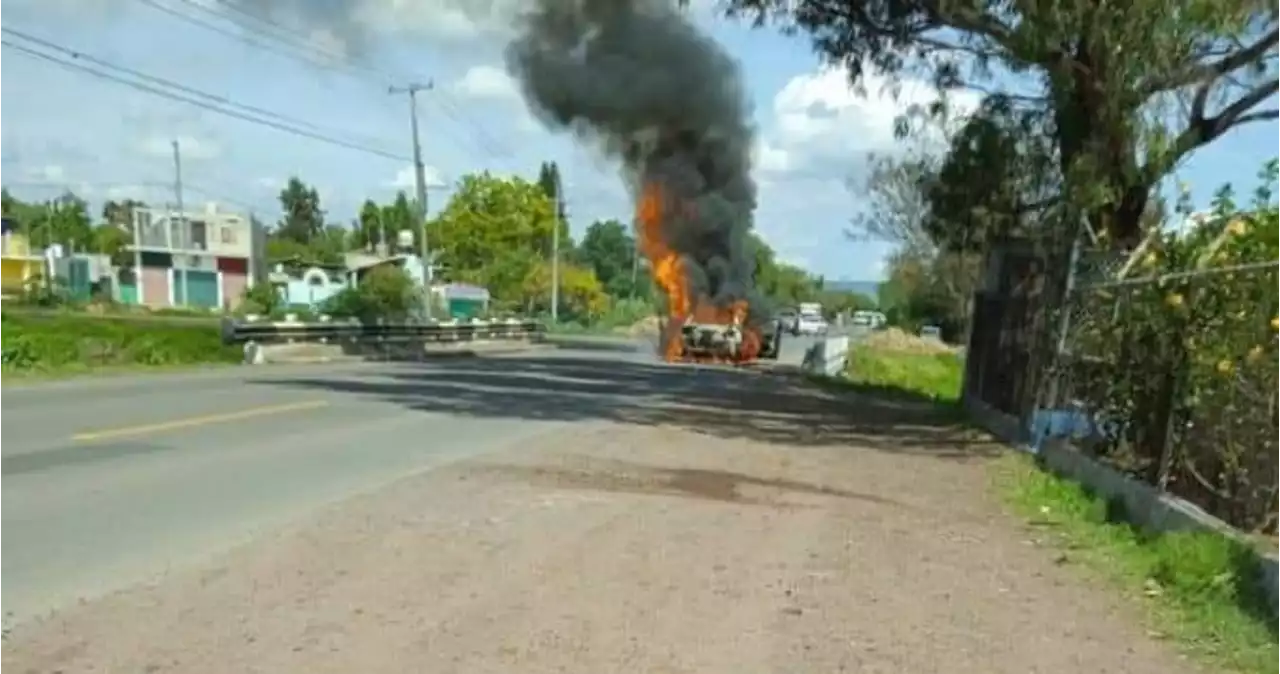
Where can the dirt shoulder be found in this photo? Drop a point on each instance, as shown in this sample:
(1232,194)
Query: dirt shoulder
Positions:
(626,548)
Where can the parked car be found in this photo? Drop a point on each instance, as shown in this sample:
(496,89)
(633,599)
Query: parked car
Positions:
(810,324)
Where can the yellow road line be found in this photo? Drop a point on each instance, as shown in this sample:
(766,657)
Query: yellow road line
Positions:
(191,422)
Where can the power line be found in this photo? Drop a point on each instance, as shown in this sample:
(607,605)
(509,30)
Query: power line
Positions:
(285,124)
(332,61)
(319,57)
(223,100)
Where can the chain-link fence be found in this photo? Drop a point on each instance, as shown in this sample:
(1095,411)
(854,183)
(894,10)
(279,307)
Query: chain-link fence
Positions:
(1174,376)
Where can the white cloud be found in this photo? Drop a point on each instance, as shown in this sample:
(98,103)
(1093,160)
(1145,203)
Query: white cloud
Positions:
(118,192)
(484,81)
(190,147)
(52,173)
(406,180)
(456,21)
(820,123)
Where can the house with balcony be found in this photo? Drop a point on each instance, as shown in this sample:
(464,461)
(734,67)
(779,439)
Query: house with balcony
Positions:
(19,264)
(195,259)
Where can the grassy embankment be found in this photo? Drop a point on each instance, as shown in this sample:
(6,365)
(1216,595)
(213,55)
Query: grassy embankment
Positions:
(1195,590)
(55,344)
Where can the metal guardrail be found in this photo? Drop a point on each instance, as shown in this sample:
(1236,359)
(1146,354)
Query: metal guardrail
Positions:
(335,331)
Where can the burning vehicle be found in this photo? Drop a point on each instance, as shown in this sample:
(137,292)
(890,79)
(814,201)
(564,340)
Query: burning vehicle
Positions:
(641,82)
(724,343)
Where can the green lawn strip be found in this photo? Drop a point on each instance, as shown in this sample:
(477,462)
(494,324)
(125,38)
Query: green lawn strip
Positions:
(901,376)
(53,345)
(1196,588)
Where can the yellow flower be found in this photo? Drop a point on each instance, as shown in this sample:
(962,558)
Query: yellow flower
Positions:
(1255,353)
(1236,227)
(1224,366)
(1275,323)
(1150,260)
(1175,300)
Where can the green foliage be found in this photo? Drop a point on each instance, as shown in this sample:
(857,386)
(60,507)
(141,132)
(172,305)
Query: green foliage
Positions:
(1189,343)
(1199,588)
(987,184)
(930,289)
(931,376)
(71,342)
(610,250)
(582,298)
(549,182)
(1103,110)
(303,219)
(261,299)
(385,292)
(492,233)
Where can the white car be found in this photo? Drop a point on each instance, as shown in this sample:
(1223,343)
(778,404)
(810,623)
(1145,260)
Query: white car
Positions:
(811,324)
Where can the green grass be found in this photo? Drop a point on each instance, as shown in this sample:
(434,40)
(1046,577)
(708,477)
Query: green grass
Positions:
(63,344)
(1196,589)
(933,377)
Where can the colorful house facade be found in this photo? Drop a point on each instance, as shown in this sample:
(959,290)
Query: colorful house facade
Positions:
(197,260)
(19,264)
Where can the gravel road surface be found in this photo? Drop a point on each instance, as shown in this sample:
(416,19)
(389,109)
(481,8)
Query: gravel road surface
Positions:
(564,512)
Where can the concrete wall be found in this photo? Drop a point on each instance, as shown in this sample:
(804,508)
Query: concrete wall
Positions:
(229,236)
(225,234)
(314,287)
(1146,506)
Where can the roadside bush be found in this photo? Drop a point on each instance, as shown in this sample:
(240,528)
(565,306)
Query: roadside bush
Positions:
(34,342)
(1181,358)
(385,292)
(900,373)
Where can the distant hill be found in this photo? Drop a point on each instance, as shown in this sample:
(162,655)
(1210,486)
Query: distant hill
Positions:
(869,288)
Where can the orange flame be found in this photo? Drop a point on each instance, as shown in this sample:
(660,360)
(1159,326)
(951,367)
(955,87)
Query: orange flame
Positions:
(668,270)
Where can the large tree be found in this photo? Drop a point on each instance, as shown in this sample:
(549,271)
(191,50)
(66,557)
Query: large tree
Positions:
(302,218)
(549,181)
(609,249)
(1103,80)
(399,216)
(120,213)
(493,231)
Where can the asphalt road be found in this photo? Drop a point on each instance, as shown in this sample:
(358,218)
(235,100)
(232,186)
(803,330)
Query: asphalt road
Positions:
(110,482)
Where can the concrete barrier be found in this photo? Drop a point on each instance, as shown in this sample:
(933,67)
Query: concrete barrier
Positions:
(1145,506)
(827,356)
(303,353)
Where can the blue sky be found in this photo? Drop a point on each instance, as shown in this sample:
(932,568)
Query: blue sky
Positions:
(67,130)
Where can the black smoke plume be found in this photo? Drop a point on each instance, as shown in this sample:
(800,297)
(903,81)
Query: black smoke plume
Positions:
(638,79)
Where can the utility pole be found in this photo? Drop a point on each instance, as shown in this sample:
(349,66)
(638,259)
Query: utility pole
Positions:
(183,234)
(635,264)
(420,182)
(557,205)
